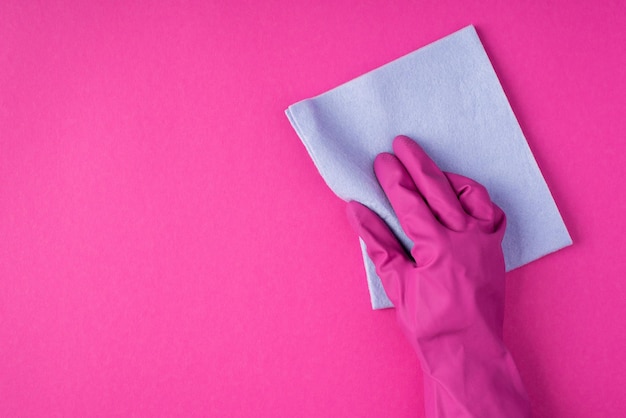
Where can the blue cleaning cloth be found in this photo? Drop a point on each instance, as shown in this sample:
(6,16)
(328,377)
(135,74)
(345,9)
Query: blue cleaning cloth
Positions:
(447,97)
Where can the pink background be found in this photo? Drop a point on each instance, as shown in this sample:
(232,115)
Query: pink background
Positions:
(167,248)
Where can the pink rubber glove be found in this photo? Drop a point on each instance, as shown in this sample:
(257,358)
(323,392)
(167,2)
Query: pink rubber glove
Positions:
(449,292)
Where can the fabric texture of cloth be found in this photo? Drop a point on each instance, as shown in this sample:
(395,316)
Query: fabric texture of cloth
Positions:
(447,97)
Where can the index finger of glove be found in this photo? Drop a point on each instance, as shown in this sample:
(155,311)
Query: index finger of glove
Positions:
(416,219)
(431,182)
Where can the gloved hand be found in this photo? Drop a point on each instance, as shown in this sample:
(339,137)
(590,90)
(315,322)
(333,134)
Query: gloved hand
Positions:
(449,291)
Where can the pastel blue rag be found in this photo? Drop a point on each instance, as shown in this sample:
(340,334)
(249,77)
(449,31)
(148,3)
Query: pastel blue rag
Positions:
(447,97)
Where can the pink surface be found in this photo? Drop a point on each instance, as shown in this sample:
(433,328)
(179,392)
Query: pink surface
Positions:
(168,248)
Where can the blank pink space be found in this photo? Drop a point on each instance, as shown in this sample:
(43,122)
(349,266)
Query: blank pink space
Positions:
(167,247)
